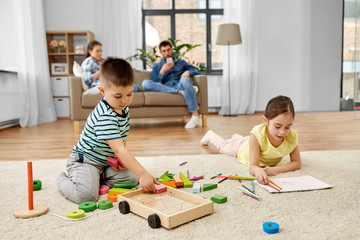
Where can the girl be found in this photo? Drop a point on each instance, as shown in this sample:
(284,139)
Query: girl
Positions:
(91,65)
(267,143)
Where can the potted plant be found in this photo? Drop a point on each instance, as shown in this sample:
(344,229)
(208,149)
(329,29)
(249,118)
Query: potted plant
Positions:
(180,50)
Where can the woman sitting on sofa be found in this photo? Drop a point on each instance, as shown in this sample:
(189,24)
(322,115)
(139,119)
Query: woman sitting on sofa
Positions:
(91,67)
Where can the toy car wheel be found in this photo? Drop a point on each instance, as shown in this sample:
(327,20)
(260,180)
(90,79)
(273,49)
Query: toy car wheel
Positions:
(154,221)
(124,207)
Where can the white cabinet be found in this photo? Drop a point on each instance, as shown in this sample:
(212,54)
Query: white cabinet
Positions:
(62,107)
(60,86)
(60,90)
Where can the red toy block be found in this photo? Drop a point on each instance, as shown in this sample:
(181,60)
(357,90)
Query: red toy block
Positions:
(115,162)
(160,189)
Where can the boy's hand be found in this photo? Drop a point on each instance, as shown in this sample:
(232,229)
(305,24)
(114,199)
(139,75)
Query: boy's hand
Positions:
(270,171)
(261,176)
(147,182)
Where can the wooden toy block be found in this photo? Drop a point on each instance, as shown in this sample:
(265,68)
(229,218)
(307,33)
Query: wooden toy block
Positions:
(186,181)
(104,189)
(178,181)
(169,184)
(171,175)
(115,162)
(105,204)
(87,206)
(119,190)
(219,198)
(196,187)
(36,185)
(125,185)
(169,209)
(160,188)
(196,178)
(112,162)
(210,186)
(165,177)
(113,196)
(75,214)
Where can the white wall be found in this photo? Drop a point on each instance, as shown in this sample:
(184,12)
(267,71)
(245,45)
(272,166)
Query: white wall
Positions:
(300,47)
(299,43)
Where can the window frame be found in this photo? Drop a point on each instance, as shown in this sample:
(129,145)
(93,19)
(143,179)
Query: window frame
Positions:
(172,12)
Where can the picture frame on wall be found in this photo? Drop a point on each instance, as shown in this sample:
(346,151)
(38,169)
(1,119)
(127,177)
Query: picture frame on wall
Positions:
(59,69)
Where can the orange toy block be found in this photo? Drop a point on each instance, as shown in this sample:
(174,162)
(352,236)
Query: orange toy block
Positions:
(178,181)
(113,196)
(169,184)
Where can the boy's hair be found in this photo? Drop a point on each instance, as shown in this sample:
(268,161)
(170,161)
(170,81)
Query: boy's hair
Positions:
(279,105)
(116,71)
(164,44)
(91,46)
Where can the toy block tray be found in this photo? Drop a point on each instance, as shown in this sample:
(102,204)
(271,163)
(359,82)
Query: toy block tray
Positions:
(174,207)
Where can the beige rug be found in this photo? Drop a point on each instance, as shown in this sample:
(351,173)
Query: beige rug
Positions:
(322,214)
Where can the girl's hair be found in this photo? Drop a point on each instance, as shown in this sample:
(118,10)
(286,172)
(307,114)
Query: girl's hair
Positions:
(116,71)
(91,46)
(279,105)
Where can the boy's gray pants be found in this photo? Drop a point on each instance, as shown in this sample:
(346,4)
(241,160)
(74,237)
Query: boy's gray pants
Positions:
(84,176)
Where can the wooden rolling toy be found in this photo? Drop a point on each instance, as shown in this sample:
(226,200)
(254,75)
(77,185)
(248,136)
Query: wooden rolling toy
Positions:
(30,210)
(168,209)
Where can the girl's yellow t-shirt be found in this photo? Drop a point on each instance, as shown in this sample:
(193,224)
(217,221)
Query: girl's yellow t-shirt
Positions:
(269,155)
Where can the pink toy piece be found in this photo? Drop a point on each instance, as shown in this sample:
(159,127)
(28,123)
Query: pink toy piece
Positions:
(160,188)
(196,178)
(104,189)
(115,162)
(112,162)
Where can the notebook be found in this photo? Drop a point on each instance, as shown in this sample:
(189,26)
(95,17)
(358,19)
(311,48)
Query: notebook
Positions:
(303,183)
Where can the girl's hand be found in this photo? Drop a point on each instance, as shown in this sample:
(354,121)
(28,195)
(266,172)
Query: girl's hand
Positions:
(270,171)
(261,176)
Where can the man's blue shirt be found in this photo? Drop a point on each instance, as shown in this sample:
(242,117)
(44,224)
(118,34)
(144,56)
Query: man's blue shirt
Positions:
(174,74)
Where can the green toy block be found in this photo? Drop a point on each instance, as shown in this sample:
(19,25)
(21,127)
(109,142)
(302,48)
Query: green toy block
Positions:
(122,190)
(170,175)
(186,181)
(124,185)
(209,186)
(219,198)
(165,177)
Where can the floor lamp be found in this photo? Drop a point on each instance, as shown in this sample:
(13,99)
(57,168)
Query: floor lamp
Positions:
(228,34)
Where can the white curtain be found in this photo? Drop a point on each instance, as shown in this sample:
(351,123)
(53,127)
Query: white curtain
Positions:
(243,60)
(33,70)
(120,24)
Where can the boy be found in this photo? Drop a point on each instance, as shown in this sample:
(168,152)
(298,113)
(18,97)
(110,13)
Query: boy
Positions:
(103,136)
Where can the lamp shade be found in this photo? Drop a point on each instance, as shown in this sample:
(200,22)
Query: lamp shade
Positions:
(228,34)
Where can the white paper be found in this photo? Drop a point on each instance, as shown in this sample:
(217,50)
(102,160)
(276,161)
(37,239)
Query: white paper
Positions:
(303,183)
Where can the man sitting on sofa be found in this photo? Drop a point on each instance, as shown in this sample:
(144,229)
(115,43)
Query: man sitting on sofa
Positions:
(173,76)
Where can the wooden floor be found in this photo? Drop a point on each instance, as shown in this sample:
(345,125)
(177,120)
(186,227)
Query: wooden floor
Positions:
(167,136)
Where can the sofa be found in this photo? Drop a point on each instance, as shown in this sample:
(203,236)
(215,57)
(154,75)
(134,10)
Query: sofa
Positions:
(143,105)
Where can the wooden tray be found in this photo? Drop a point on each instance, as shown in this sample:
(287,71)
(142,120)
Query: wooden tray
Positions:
(173,207)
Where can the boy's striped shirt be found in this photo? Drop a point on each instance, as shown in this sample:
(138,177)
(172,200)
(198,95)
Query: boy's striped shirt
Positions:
(102,124)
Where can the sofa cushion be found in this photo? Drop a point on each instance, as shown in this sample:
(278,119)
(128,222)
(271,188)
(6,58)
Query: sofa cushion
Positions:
(91,100)
(165,99)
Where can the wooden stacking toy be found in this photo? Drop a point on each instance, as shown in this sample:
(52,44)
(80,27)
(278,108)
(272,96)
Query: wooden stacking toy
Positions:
(30,210)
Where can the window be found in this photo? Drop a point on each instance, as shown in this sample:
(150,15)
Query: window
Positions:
(190,21)
(351,54)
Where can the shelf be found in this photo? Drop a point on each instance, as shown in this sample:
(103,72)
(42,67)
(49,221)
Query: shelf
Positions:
(61,62)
